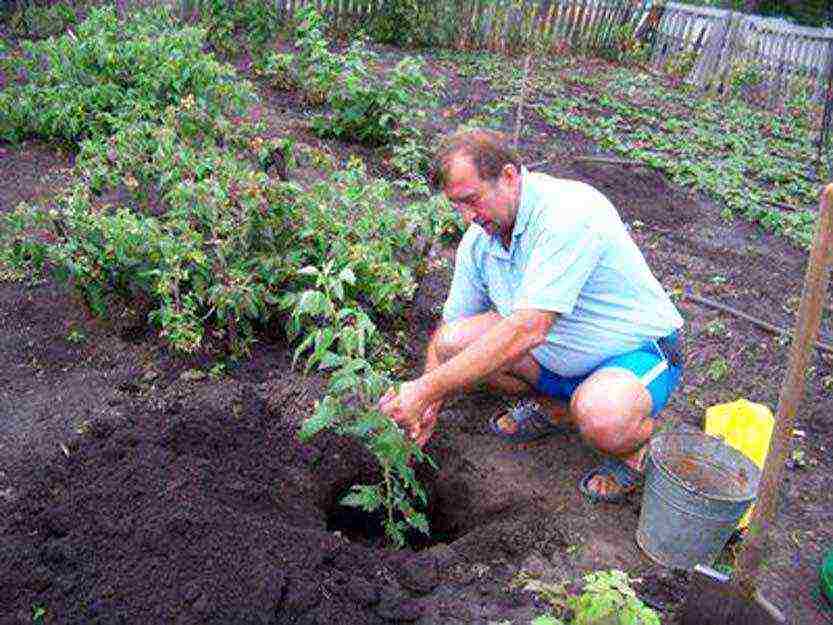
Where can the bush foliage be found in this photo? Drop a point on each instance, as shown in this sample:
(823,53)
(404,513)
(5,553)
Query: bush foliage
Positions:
(173,211)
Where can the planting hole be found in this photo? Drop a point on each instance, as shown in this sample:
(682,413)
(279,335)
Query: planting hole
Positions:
(367,528)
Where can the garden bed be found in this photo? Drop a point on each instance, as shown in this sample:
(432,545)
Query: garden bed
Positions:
(140,486)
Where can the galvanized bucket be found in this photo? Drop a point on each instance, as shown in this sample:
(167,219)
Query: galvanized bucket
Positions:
(696,490)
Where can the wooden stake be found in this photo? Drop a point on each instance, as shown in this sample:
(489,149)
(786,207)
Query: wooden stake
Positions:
(748,563)
(520,113)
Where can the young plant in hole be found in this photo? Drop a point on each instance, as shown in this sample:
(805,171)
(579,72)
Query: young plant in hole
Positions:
(353,413)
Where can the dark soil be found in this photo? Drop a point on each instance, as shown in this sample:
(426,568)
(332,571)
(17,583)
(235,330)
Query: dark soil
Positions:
(132,493)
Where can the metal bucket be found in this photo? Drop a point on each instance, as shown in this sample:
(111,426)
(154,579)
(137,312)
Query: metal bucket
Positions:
(696,490)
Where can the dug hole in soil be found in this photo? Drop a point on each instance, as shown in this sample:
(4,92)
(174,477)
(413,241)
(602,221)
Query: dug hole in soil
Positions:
(206,509)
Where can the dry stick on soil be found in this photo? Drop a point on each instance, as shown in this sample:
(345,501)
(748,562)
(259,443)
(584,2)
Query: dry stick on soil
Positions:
(742,315)
(748,564)
(520,113)
(611,160)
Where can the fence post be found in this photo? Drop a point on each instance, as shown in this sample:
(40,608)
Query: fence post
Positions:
(723,68)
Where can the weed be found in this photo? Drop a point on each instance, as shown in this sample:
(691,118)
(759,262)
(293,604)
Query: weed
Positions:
(38,613)
(717,328)
(76,336)
(717,369)
(606,597)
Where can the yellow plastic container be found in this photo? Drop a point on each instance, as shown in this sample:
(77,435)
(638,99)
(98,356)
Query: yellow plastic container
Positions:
(747,427)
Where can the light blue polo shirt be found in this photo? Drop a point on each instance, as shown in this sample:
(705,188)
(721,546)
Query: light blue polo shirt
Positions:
(570,254)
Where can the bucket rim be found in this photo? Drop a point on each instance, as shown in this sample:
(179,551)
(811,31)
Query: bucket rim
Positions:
(754,469)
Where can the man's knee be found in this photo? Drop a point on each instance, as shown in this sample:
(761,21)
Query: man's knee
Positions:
(611,409)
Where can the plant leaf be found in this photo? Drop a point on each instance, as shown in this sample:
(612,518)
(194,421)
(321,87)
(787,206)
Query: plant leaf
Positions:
(368,498)
(326,412)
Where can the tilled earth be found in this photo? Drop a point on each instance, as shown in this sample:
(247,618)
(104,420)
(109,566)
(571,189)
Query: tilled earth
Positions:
(131,492)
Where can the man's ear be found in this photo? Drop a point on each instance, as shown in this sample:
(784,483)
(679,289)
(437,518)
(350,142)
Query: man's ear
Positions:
(510,172)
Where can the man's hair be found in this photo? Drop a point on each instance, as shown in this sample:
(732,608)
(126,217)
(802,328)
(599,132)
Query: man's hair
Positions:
(489,150)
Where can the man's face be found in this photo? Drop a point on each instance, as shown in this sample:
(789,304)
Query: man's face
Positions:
(490,204)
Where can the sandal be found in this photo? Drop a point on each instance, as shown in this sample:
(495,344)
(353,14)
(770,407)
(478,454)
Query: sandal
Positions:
(624,476)
(533,423)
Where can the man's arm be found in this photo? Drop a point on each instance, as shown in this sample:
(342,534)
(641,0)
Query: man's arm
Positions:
(432,361)
(507,341)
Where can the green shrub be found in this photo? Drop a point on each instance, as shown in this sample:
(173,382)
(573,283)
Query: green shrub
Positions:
(279,69)
(364,106)
(232,25)
(411,23)
(33,20)
(109,72)
(370,109)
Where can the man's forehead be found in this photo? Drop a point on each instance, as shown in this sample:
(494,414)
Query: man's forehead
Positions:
(461,171)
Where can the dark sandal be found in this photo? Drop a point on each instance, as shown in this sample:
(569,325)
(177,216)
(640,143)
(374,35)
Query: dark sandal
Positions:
(624,476)
(533,424)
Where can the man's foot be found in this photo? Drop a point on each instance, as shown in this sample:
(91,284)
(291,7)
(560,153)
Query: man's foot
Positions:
(614,479)
(528,421)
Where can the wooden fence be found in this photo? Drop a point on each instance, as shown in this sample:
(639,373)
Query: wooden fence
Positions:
(724,46)
(500,25)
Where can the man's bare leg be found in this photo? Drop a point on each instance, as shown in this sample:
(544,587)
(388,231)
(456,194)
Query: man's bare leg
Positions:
(518,378)
(612,409)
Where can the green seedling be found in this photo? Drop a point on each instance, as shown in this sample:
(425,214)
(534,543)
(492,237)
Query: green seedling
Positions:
(717,369)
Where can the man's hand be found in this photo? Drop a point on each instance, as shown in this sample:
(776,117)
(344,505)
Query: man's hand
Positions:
(410,409)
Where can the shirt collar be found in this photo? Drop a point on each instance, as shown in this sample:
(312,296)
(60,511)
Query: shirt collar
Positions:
(521,220)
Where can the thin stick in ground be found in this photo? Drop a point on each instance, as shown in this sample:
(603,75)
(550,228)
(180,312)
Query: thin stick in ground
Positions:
(520,113)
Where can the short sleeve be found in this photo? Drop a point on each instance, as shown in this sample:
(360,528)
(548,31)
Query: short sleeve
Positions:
(468,295)
(559,265)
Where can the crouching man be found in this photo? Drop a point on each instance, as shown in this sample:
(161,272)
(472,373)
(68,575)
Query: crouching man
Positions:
(550,300)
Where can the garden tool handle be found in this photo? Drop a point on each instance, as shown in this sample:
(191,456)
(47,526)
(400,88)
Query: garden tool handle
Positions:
(792,391)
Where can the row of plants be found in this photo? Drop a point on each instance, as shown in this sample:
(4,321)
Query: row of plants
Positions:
(173,210)
(739,156)
(756,164)
(109,72)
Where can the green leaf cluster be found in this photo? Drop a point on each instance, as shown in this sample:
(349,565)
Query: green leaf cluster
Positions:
(363,105)
(608,595)
(108,72)
(606,598)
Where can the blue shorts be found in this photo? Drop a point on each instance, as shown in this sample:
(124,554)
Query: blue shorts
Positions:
(657,364)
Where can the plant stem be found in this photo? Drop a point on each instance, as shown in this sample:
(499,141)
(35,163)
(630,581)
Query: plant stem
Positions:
(519,115)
